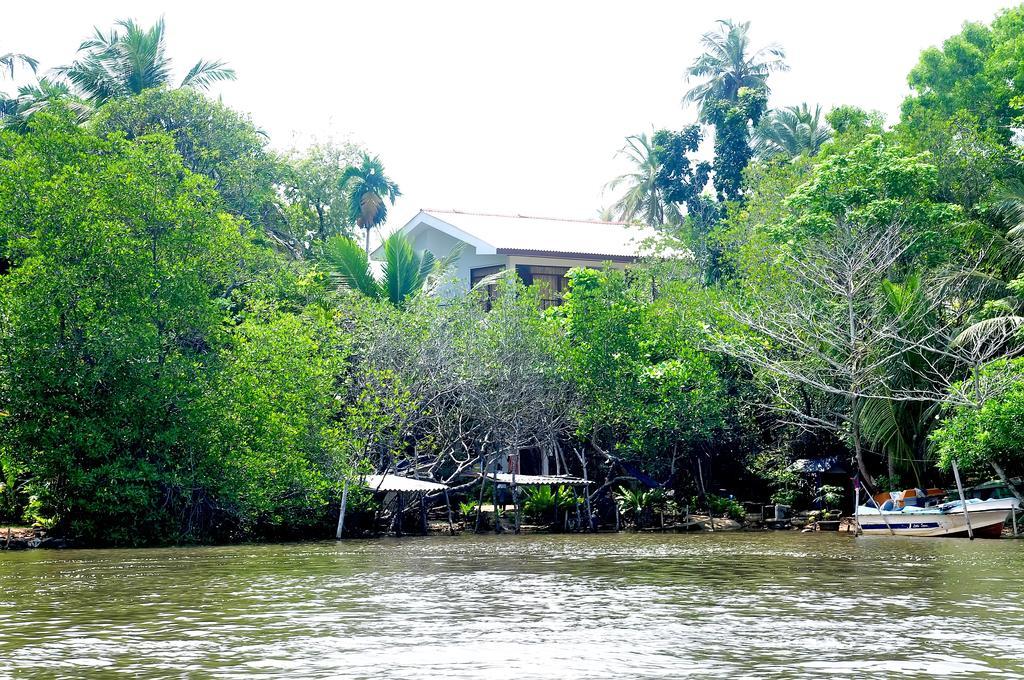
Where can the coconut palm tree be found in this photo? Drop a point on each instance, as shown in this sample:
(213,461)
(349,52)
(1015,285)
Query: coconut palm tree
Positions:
(369,192)
(8,63)
(10,60)
(791,132)
(14,113)
(642,198)
(125,62)
(728,64)
(405,272)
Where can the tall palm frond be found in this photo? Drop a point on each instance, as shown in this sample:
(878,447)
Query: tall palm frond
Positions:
(791,132)
(899,428)
(404,271)
(37,96)
(10,60)
(130,59)
(350,266)
(642,198)
(1011,207)
(205,73)
(728,65)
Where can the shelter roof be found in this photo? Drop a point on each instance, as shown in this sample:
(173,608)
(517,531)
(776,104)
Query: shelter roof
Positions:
(535,480)
(389,482)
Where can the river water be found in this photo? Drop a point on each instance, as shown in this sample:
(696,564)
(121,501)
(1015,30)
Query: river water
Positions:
(738,605)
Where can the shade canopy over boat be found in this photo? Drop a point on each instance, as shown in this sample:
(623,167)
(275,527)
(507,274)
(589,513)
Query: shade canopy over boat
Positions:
(388,482)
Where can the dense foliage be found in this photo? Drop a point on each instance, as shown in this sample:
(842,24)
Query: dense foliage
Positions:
(194,345)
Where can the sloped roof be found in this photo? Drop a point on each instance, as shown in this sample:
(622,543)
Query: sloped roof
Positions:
(389,482)
(493,234)
(535,480)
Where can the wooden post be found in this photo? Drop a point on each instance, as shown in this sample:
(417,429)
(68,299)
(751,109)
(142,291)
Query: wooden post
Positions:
(480,499)
(424,529)
(963,500)
(556,504)
(400,504)
(494,500)
(1013,514)
(515,500)
(448,504)
(882,515)
(341,512)
(856,508)
(586,492)
(576,503)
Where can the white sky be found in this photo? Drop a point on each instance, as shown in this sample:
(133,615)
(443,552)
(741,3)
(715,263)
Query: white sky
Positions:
(514,107)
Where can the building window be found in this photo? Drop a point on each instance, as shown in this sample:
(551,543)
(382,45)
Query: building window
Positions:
(550,281)
(479,274)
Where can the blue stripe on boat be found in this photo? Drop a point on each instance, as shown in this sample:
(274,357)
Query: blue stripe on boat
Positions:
(905,525)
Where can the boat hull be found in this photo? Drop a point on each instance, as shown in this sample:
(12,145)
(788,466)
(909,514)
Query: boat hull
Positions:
(986,521)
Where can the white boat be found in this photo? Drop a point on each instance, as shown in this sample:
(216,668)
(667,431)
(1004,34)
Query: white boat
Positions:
(946,519)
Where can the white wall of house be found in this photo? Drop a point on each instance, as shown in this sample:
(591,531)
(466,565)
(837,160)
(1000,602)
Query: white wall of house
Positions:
(441,245)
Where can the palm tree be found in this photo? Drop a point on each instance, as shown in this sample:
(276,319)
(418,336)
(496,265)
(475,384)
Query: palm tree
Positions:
(405,272)
(727,66)
(899,429)
(642,198)
(9,61)
(368,187)
(121,64)
(791,132)
(14,113)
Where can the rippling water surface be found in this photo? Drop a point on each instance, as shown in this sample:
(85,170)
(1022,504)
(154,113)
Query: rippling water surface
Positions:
(629,606)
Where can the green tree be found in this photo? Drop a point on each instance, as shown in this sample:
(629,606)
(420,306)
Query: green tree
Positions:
(732,93)
(369,192)
(978,435)
(280,429)
(876,184)
(117,262)
(728,66)
(979,71)
(642,199)
(317,200)
(213,141)
(791,132)
(647,391)
(131,60)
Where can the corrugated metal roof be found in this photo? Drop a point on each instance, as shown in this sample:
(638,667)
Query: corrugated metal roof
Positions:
(491,233)
(397,483)
(535,480)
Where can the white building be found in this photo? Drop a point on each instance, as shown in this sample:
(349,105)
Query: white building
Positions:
(540,249)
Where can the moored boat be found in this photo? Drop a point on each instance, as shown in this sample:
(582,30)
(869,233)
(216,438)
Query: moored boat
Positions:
(945,519)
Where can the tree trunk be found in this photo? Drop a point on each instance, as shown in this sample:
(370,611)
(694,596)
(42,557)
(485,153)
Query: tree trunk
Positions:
(1006,480)
(448,505)
(480,500)
(858,449)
